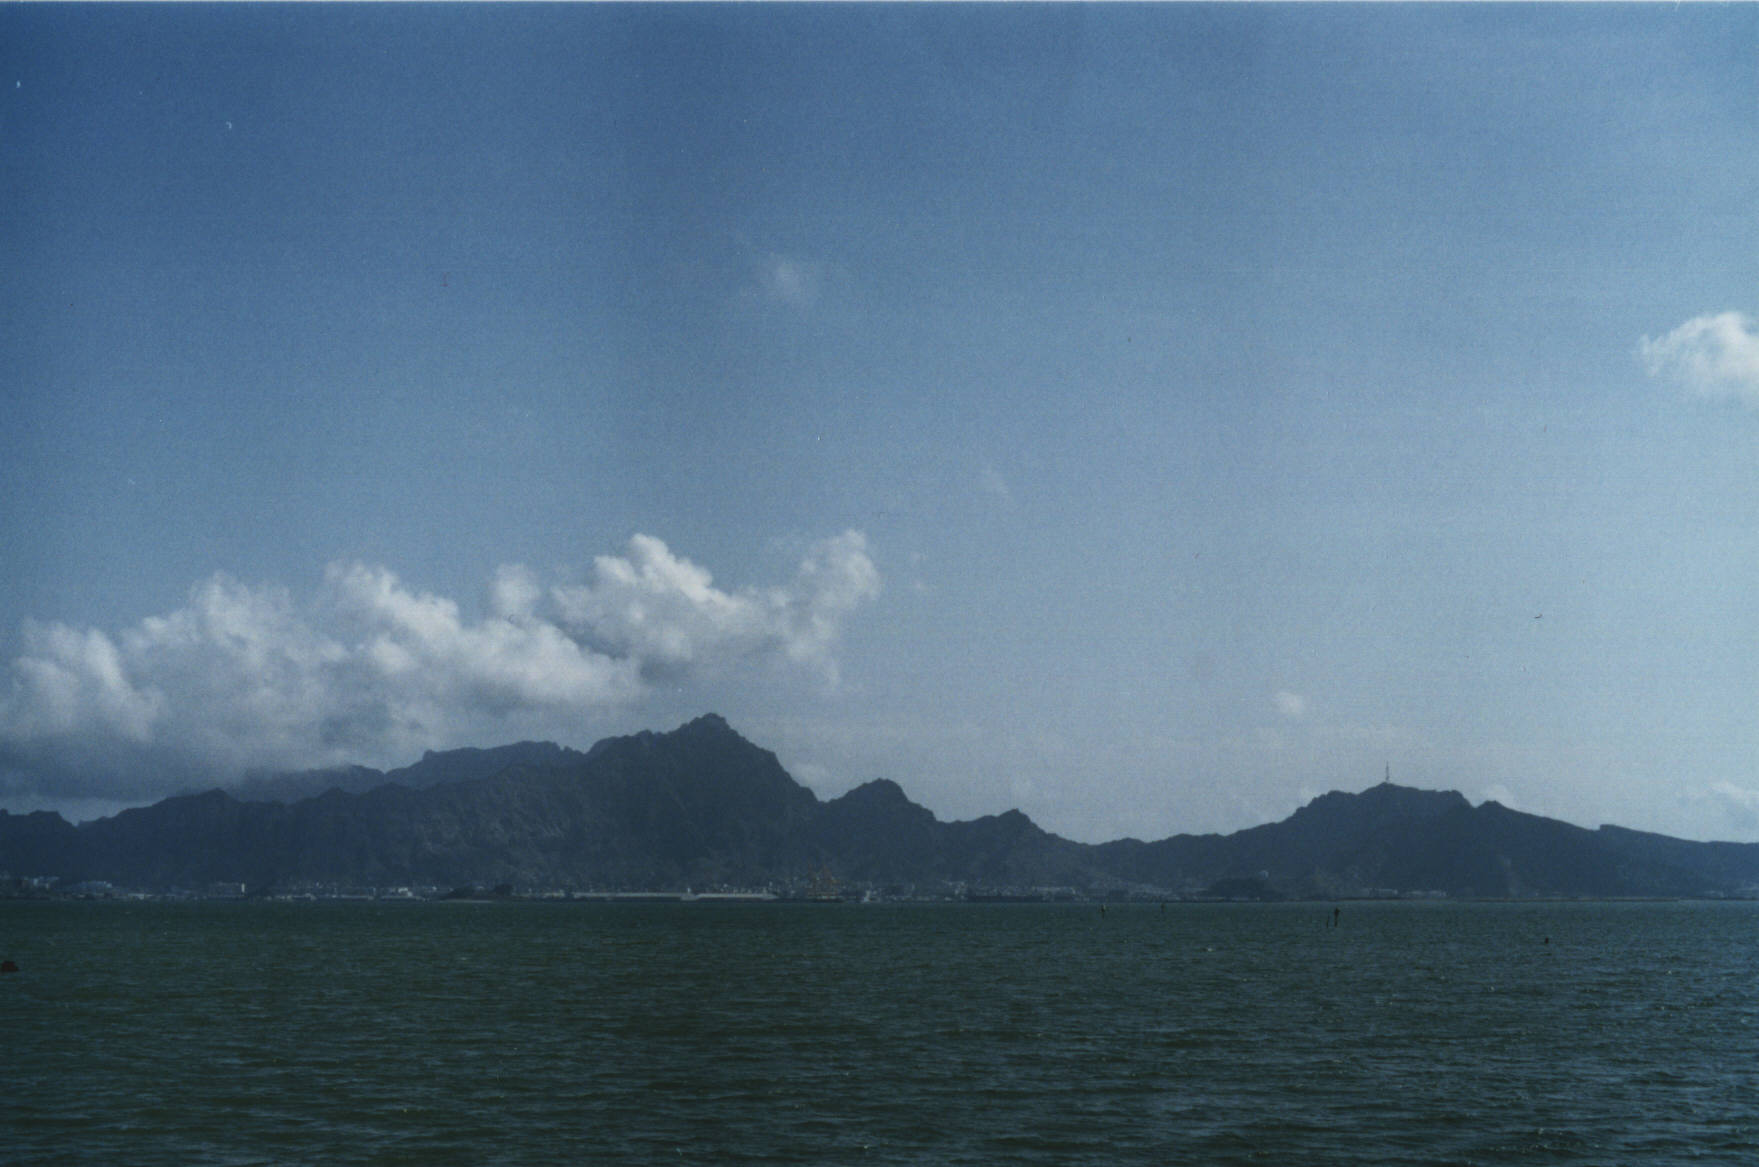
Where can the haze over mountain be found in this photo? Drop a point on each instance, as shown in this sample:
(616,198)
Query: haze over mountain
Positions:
(703,807)
(435,766)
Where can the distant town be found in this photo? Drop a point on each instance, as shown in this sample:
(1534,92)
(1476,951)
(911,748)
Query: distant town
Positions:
(49,888)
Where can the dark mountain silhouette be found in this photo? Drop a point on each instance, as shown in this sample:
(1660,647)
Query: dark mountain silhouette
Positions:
(434,768)
(1335,845)
(702,807)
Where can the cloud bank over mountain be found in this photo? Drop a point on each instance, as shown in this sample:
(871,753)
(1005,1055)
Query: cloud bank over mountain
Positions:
(250,676)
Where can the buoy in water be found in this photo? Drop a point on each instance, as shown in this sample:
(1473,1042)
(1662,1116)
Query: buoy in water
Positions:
(7,966)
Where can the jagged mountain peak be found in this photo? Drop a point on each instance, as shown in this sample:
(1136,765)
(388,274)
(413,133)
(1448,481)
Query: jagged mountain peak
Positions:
(709,727)
(876,791)
(879,805)
(707,723)
(705,736)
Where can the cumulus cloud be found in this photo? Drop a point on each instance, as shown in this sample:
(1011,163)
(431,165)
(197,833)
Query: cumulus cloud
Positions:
(1712,356)
(369,669)
(665,612)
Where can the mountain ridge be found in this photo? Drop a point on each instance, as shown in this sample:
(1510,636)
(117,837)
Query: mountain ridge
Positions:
(700,806)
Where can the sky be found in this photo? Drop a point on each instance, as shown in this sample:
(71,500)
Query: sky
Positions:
(1149,417)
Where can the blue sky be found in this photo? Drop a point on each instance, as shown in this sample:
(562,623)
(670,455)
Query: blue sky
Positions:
(1146,416)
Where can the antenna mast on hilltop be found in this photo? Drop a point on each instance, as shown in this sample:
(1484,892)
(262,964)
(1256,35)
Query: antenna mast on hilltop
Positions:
(1389,774)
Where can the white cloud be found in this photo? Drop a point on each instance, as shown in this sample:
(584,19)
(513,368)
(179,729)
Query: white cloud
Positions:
(1291,705)
(516,593)
(1712,356)
(666,612)
(371,670)
(418,646)
(72,679)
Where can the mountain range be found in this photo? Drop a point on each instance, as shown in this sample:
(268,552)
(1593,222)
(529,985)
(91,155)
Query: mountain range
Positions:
(701,807)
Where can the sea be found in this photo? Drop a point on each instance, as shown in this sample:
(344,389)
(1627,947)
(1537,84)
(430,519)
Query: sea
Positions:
(780,1033)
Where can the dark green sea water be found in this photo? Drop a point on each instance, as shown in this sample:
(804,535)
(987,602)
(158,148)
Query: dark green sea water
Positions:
(766,1033)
